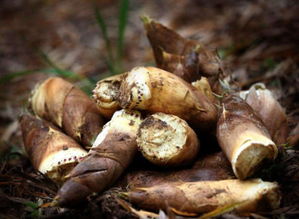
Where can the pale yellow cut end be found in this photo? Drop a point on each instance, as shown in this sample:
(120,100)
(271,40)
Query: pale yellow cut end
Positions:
(162,139)
(106,93)
(251,152)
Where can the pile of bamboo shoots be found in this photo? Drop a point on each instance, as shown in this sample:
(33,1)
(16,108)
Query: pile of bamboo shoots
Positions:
(159,113)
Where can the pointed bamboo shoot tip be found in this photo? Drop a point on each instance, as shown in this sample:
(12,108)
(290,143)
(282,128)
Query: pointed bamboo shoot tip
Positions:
(145,19)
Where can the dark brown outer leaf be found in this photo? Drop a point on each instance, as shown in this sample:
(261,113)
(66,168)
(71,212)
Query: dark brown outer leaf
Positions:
(211,167)
(35,137)
(40,142)
(69,108)
(100,169)
(192,58)
(81,119)
(161,37)
(216,160)
(183,66)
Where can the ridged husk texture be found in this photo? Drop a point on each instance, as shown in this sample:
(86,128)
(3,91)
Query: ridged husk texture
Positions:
(110,155)
(69,108)
(186,58)
(270,111)
(49,150)
(209,168)
(155,90)
(243,137)
(205,196)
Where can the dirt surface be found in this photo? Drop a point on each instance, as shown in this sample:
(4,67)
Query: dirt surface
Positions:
(257,41)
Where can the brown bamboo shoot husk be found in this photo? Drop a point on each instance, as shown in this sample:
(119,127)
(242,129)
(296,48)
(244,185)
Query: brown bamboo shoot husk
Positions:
(69,108)
(110,155)
(185,66)
(186,58)
(155,90)
(209,168)
(204,196)
(105,94)
(49,150)
(159,35)
(270,111)
(243,137)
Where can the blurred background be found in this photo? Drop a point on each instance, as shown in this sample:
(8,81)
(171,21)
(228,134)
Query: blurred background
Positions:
(84,41)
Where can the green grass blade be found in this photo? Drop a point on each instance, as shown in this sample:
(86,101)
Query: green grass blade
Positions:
(123,20)
(58,70)
(47,60)
(10,76)
(103,27)
(89,84)
(111,66)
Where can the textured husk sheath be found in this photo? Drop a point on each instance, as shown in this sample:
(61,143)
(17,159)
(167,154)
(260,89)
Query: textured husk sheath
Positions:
(105,94)
(243,137)
(204,196)
(167,140)
(187,59)
(211,167)
(156,90)
(185,66)
(49,150)
(69,108)
(270,111)
(110,155)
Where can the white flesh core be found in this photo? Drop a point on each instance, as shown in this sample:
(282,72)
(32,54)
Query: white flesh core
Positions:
(60,158)
(121,121)
(253,149)
(105,94)
(164,139)
(140,93)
